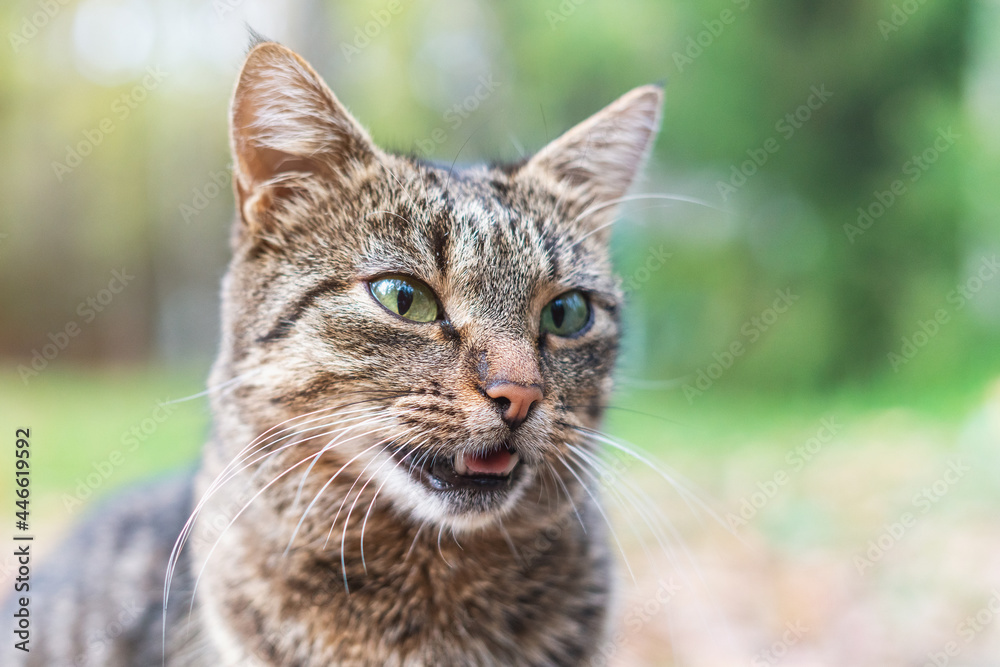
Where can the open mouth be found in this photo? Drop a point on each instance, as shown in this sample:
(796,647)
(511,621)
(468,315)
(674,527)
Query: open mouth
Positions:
(489,470)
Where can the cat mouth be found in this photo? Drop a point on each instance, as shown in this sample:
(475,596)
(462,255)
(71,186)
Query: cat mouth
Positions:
(489,470)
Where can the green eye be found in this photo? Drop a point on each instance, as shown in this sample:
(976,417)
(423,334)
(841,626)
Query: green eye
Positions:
(567,314)
(407,297)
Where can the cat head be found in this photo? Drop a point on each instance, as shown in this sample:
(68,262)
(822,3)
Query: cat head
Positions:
(436,334)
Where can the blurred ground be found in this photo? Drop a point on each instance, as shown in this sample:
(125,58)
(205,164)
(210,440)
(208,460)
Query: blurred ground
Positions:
(883,549)
(863,531)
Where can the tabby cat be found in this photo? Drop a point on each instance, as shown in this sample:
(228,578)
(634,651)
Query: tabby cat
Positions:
(413,362)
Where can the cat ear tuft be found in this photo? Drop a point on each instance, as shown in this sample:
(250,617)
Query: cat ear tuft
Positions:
(602,155)
(286,128)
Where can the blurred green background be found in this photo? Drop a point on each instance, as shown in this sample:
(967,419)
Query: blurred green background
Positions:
(822,237)
(834,167)
(786,119)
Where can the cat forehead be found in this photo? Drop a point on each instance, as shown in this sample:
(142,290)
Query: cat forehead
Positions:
(467,223)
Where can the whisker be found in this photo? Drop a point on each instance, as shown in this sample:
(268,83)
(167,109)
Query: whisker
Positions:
(223,478)
(642,504)
(401,188)
(181,541)
(416,536)
(231,522)
(347,495)
(686,494)
(222,385)
(585,469)
(440,552)
(643,384)
(390,443)
(606,519)
(643,500)
(462,148)
(620,408)
(639,197)
(247,505)
(347,519)
(368,512)
(569,496)
(510,542)
(395,215)
(612,202)
(330,481)
(274,430)
(326,448)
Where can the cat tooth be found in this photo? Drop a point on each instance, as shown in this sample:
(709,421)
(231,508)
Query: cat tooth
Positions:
(459,464)
(514,458)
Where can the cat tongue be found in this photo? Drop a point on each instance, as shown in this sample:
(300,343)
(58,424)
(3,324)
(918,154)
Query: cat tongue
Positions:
(498,461)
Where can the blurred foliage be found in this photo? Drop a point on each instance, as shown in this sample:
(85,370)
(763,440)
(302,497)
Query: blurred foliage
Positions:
(152,195)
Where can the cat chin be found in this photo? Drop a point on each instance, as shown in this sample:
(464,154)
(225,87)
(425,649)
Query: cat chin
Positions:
(462,510)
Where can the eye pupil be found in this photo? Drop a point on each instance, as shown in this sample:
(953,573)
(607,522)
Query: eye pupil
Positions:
(404,298)
(566,315)
(407,297)
(558,312)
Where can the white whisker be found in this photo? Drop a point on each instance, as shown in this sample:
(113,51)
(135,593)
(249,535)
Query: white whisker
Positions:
(569,496)
(232,383)
(330,481)
(440,552)
(600,509)
(685,493)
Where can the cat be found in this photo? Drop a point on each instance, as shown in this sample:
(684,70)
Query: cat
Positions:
(414,362)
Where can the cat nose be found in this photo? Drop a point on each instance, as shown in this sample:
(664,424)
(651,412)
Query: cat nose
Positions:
(514,400)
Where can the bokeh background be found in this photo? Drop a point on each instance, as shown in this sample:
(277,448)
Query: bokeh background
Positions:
(814,302)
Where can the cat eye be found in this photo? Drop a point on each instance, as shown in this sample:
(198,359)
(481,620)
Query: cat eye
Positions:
(407,297)
(567,314)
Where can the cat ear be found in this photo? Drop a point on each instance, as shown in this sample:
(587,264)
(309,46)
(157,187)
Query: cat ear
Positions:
(286,127)
(602,155)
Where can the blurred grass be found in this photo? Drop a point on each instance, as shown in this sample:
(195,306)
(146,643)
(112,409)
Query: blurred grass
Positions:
(79,417)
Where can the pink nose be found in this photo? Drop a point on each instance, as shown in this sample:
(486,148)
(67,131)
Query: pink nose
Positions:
(514,400)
